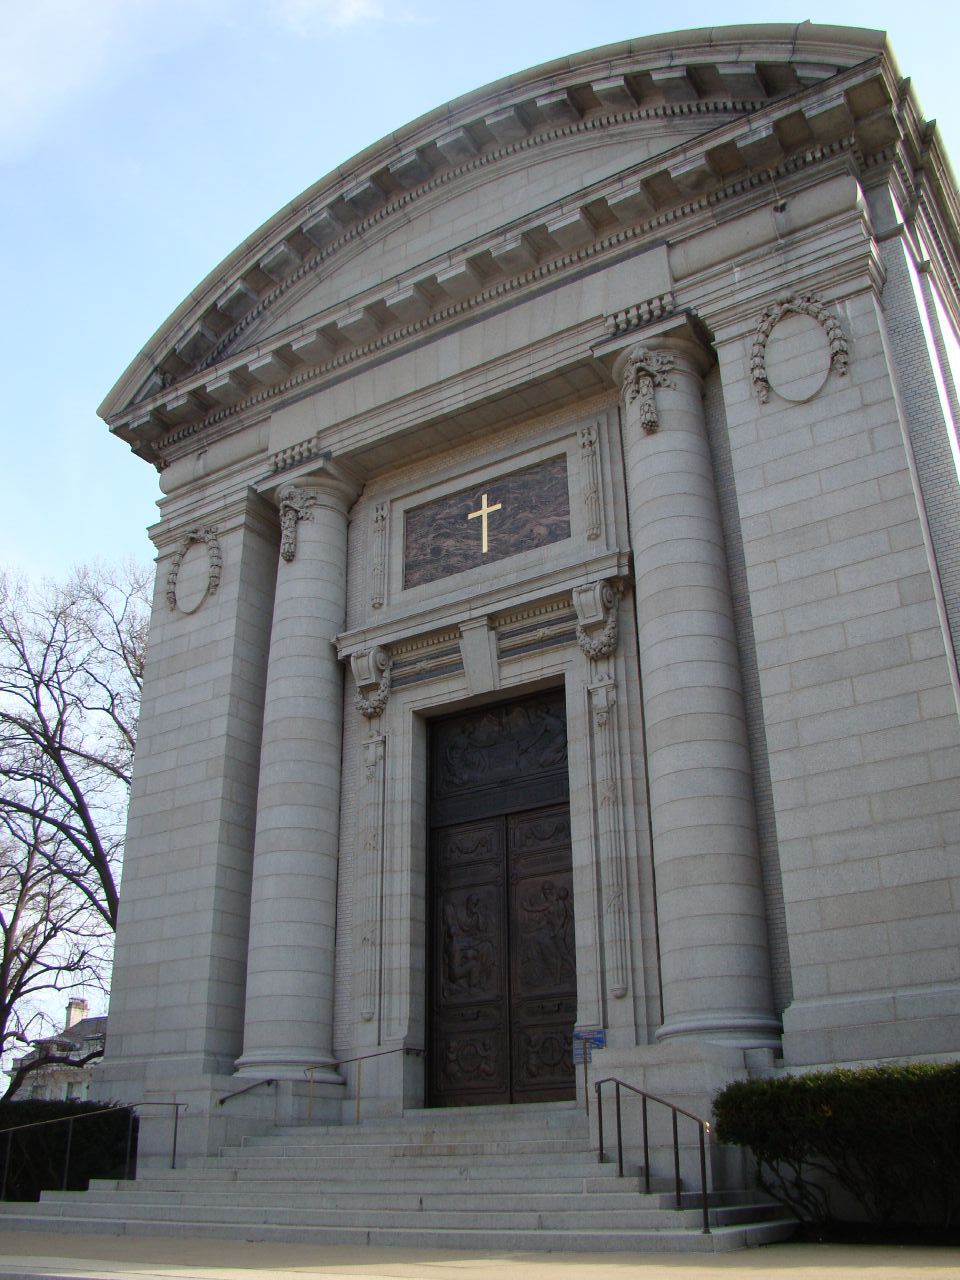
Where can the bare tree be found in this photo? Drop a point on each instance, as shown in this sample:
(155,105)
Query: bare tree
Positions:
(71,669)
(51,940)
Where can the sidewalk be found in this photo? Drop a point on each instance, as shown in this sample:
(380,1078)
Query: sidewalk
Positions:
(35,1255)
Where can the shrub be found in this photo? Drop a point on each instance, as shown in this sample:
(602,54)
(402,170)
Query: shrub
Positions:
(889,1136)
(98,1145)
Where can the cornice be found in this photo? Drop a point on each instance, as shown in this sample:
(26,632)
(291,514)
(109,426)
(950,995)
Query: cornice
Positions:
(707,73)
(774,137)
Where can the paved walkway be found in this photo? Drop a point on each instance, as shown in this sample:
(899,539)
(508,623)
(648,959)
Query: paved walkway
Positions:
(34,1255)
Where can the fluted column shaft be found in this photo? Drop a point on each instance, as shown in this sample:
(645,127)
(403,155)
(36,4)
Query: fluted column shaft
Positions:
(290,959)
(715,968)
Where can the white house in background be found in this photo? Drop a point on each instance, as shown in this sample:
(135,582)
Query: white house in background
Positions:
(56,1082)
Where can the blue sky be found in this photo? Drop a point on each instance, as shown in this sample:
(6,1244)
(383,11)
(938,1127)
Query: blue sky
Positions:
(141,140)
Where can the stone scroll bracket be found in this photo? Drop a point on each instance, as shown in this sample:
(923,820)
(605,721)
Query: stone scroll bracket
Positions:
(597,606)
(371,672)
(799,371)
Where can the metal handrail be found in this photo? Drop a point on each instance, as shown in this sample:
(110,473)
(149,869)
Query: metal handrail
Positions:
(703,1129)
(85,1115)
(237,1092)
(346,1062)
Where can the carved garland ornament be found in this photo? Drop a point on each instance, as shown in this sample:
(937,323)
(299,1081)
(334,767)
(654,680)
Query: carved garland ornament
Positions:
(202,533)
(295,505)
(379,569)
(802,304)
(644,371)
(589,437)
(371,671)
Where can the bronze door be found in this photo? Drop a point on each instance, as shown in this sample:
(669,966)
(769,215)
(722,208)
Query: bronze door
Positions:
(502,981)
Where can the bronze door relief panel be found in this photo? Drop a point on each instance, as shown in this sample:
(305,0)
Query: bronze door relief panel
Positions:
(502,967)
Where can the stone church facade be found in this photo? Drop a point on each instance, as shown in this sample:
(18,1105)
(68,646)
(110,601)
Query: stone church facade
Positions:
(557,603)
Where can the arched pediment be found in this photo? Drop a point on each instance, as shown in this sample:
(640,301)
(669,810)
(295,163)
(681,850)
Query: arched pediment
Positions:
(526,176)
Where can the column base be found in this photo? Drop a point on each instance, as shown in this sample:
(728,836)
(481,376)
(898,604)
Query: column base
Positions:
(279,1064)
(743,1030)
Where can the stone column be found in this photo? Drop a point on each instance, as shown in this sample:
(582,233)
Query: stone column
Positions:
(290,959)
(715,969)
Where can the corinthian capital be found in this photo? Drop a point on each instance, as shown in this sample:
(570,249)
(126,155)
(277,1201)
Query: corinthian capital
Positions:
(642,374)
(295,505)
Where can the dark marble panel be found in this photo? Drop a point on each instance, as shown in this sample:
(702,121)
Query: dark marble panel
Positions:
(526,509)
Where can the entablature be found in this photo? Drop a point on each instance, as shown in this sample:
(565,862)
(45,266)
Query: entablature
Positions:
(206,384)
(543,600)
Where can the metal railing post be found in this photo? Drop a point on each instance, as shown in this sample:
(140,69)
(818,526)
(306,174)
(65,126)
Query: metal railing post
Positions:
(599,1123)
(66,1157)
(356,1114)
(646,1147)
(676,1158)
(6,1165)
(703,1181)
(128,1161)
(176,1128)
(619,1134)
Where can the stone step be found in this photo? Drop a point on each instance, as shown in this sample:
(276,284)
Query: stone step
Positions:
(197,1182)
(557,1219)
(411,1200)
(437,1180)
(329,1168)
(566,1125)
(439,1146)
(664,1240)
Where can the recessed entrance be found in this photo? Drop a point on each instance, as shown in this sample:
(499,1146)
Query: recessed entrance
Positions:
(502,973)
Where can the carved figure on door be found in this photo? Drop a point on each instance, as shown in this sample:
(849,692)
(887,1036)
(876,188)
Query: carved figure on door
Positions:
(469,950)
(548,934)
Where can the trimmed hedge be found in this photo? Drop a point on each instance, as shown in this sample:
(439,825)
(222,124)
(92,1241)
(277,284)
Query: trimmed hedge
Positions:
(98,1147)
(889,1136)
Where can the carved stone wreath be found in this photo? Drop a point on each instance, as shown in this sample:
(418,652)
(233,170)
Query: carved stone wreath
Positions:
(801,304)
(202,533)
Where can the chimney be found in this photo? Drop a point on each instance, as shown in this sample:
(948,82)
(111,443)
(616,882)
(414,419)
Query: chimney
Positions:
(76,1010)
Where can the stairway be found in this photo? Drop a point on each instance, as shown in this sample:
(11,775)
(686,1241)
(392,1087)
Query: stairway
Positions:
(506,1178)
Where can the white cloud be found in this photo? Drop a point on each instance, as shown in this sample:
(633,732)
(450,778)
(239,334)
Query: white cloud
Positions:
(305,16)
(309,17)
(56,52)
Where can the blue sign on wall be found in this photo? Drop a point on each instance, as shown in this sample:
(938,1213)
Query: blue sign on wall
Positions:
(585,1040)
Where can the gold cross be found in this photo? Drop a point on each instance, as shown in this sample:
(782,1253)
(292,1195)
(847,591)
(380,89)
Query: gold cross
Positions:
(484,511)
